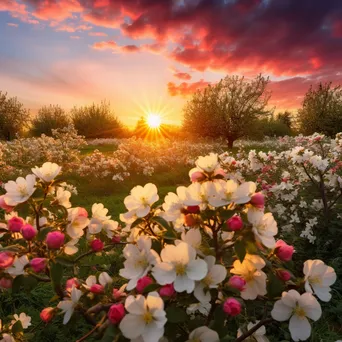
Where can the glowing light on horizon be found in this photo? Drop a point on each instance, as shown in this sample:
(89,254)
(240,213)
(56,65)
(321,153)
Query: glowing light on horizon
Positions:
(154,120)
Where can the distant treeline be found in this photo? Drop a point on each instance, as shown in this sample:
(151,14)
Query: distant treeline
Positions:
(231,109)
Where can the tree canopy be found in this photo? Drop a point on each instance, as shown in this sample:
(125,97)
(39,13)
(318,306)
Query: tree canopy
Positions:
(227,109)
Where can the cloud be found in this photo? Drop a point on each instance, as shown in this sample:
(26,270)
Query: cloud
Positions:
(185,88)
(182,76)
(75,37)
(12,24)
(97,34)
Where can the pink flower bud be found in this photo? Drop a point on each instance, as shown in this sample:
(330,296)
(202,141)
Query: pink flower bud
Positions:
(116,239)
(4,205)
(97,288)
(6,259)
(82,212)
(15,224)
(55,240)
(237,282)
(190,220)
(283,251)
(167,290)
(116,313)
(258,200)
(38,264)
(47,314)
(220,172)
(117,294)
(142,283)
(193,209)
(97,245)
(197,176)
(28,232)
(232,307)
(284,275)
(72,282)
(6,283)
(235,223)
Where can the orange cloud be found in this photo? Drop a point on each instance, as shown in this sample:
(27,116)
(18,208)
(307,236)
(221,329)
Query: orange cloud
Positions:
(185,89)
(97,34)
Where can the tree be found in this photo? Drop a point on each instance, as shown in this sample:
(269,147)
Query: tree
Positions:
(227,109)
(97,121)
(321,110)
(49,118)
(14,118)
(285,118)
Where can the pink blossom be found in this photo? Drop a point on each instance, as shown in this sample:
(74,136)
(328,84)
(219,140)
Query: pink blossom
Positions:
(116,313)
(47,314)
(235,223)
(197,176)
(232,307)
(143,282)
(4,205)
(284,275)
(15,224)
(193,209)
(97,288)
(237,282)
(55,240)
(38,264)
(258,200)
(97,245)
(28,232)
(72,282)
(283,251)
(6,283)
(6,259)
(167,290)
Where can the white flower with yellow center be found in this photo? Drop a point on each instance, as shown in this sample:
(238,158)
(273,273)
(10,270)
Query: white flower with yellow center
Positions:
(203,334)
(18,266)
(216,274)
(298,308)
(99,216)
(180,267)
(20,191)
(141,198)
(63,197)
(192,237)
(264,227)
(77,223)
(23,318)
(48,172)
(208,163)
(201,194)
(250,271)
(145,319)
(318,279)
(70,247)
(139,261)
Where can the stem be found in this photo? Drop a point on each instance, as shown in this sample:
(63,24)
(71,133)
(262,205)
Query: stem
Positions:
(42,279)
(92,330)
(254,329)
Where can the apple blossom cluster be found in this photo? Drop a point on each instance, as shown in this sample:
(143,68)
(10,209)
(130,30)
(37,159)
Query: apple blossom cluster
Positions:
(203,265)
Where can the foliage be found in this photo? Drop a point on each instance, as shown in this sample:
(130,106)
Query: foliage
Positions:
(227,109)
(49,118)
(97,121)
(321,110)
(14,119)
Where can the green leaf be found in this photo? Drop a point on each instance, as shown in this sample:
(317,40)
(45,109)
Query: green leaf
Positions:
(162,222)
(176,315)
(151,288)
(65,261)
(43,232)
(56,274)
(110,333)
(240,249)
(17,327)
(275,286)
(27,282)
(219,320)
(136,222)
(12,248)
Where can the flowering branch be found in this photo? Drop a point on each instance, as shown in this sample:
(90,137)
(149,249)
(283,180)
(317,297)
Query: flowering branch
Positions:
(254,329)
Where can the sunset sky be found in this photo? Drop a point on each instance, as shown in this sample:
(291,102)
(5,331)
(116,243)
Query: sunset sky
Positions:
(150,55)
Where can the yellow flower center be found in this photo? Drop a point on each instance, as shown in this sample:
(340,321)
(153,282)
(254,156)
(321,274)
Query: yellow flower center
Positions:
(249,276)
(180,269)
(144,200)
(208,280)
(142,262)
(147,317)
(22,189)
(298,311)
(315,280)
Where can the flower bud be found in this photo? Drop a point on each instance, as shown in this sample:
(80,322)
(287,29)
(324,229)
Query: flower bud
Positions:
(38,264)
(193,209)
(117,294)
(220,172)
(167,290)
(190,220)
(15,224)
(28,232)
(197,176)
(142,283)
(82,212)
(55,240)
(237,282)
(6,259)
(4,205)
(72,282)
(284,275)
(97,245)
(6,283)
(283,251)
(116,238)
(97,288)
(232,307)
(258,200)
(47,314)
(116,313)
(235,223)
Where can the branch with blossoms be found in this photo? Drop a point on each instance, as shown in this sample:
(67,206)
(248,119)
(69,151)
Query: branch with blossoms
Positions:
(200,259)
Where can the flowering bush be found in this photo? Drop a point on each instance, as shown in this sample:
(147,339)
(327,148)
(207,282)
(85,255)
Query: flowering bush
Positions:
(202,266)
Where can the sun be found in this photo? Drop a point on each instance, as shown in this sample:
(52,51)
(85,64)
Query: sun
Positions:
(154,120)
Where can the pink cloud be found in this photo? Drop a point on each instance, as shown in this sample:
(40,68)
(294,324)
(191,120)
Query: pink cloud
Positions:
(185,89)
(75,37)
(12,25)
(97,34)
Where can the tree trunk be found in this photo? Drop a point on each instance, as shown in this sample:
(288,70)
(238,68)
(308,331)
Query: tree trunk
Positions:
(230,143)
